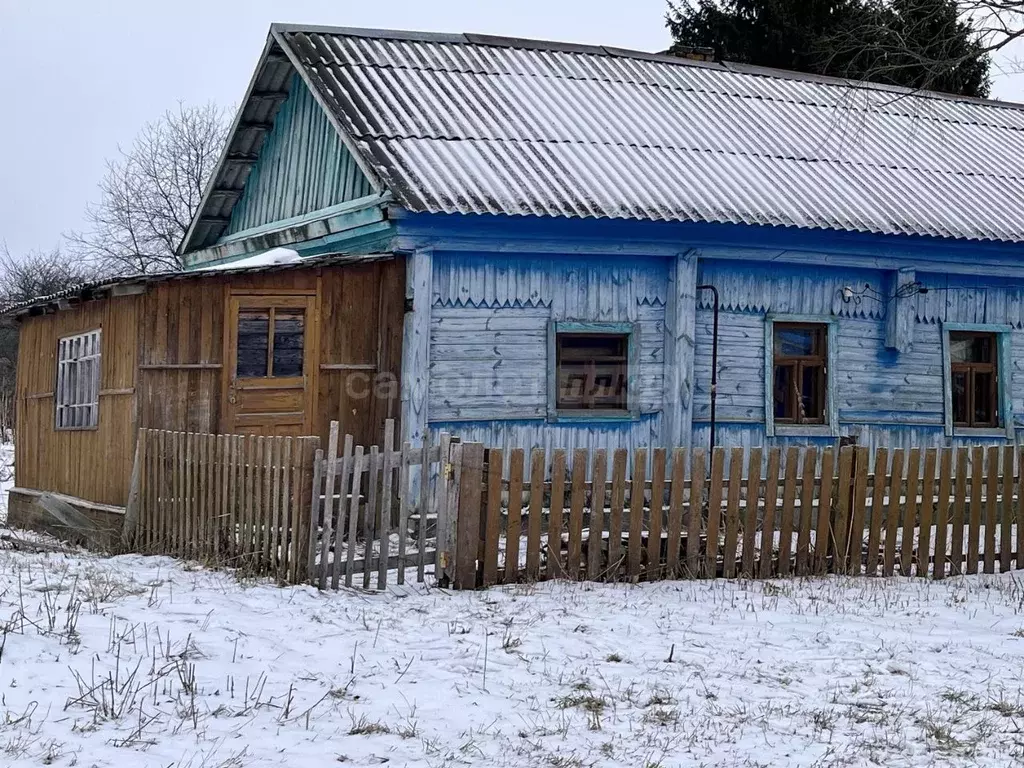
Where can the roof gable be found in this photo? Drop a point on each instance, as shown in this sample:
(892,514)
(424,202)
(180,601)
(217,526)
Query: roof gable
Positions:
(474,124)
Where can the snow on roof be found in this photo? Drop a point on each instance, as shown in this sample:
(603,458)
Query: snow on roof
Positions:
(476,124)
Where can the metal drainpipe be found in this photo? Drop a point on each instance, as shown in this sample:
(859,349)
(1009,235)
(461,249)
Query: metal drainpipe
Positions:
(714,358)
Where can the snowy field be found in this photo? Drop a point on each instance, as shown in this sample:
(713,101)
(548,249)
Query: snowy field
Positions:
(136,661)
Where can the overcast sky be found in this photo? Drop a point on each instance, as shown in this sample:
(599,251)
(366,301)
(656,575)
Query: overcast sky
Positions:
(80,78)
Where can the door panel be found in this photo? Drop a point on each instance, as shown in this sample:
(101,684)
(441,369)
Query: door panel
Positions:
(269,363)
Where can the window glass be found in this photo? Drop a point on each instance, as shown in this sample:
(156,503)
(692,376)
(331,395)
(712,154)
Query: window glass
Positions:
(253,343)
(289,326)
(592,371)
(800,373)
(974,379)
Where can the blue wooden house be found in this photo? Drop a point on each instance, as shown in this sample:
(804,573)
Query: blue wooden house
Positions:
(525,243)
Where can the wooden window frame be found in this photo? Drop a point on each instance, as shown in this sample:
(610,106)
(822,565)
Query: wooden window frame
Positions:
(76,392)
(629,331)
(284,304)
(828,425)
(798,363)
(1002,366)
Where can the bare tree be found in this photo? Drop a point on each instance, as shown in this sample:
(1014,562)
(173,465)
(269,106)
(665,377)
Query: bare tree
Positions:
(39,273)
(150,193)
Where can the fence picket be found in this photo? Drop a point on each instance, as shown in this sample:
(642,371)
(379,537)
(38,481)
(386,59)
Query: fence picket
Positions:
(788,507)
(694,522)
(1006,514)
(942,513)
(841,527)
(910,511)
(354,506)
(877,511)
(327,526)
(403,509)
(710,569)
(577,500)
(855,542)
(637,486)
(803,540)
(424,505)
(892,515)
(771,504)
(387,490)
(536,512)
(974,527)
(340,524)
(492,523)
(732,513)
(370,512)
(555,566)
(926,513)
(675,513)
(822,529)
(750,518)
(991,506)
(514,521)
(618,503)
(312,572)
(657,507)
(595,532)
(1020,508)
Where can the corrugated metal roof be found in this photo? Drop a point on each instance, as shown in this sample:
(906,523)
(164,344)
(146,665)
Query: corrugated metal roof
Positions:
(96,289)
(473,124)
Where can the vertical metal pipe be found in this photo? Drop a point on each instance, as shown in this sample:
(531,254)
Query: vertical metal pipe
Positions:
(714,357)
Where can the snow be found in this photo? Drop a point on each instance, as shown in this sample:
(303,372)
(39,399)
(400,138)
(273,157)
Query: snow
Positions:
(144,661)
(266,259)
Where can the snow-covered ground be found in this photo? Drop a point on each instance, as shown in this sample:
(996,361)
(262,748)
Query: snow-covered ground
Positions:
(136,661)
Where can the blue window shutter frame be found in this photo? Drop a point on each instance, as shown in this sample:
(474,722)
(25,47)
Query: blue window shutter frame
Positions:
(632,331)
(1004,352)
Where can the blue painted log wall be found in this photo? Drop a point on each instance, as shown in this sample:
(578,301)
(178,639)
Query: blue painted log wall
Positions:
(303,167)
(488,344)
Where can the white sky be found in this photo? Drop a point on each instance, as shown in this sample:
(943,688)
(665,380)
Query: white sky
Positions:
(80,78)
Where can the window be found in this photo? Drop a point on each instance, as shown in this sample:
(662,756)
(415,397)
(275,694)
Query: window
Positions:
(77,392)
(270,342)
(974,378)
(800,373)
(593,371)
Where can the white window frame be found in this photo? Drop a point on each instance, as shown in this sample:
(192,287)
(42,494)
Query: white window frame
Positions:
(77,391)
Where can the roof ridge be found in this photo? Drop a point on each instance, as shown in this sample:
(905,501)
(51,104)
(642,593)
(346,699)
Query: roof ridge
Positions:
(735,67)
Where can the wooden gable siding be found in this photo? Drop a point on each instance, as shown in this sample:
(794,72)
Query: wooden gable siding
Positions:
(87,463)
(303,167)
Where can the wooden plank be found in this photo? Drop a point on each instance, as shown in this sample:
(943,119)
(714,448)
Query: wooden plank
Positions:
(657,507)
(179,496)
(328,507)
(803,539)
(595,532)
(771,502)
(442,504)
(675,514)
(492,521)
(956,555)
(823,528)
(855,545)
(974,527)
(555,567)
(221,499)
(312,572)
(387,486)
(533,527)
(371,512)
(750,518)
(637,486)
(404,491)
(924,538)
(343,483)
(1006,516)
(991,506)
(354,507)
(470,489)
(424,504)
(695,521)
(892,517)
(1020,509)
(271,489)
(514,523)
(282,517)
(256,518)
(251,484)
(877,511)
(732,513)
(188,494)
(580,460)
(788,506)
(942,513)
(710,569)
(841,524)
(618,502)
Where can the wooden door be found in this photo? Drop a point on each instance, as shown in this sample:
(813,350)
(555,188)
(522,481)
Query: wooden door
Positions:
(269,361)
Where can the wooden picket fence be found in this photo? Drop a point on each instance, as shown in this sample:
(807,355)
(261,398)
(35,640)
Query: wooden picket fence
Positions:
(676,514)
(375,511)
(231,499)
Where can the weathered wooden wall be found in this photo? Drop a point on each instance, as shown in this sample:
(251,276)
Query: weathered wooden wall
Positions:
(91,464)
(162,368)
(488,358)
